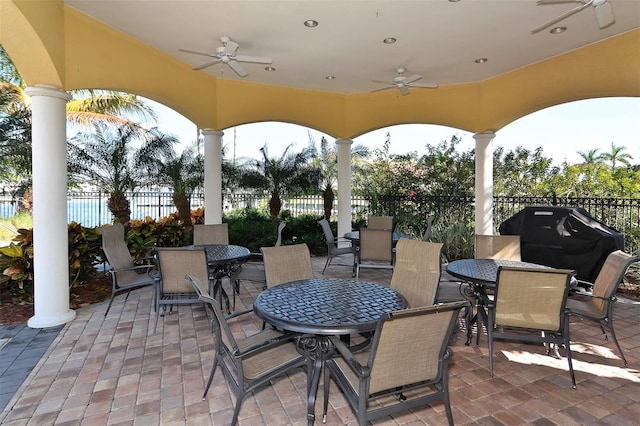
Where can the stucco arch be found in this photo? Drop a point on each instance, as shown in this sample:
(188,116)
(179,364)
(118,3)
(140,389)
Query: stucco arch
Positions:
(56,45)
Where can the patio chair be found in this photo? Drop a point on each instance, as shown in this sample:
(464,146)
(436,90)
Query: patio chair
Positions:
(253,269)
(380,222)
(125,275)
(376,249)
(530,306)
(597,306)
(332,244)
(286,263)
(211,234)
(417,271)
(250,362)
(408,359)
(174,289)
(498,247)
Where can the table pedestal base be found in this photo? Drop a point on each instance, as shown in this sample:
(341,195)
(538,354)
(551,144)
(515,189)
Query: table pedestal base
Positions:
(317,349)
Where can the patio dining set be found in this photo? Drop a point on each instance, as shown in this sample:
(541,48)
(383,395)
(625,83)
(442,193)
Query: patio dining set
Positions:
(386,347)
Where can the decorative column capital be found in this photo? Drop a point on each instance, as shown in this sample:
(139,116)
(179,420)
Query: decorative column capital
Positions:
(484,136)
(344,141)
(49,91)
(211,132)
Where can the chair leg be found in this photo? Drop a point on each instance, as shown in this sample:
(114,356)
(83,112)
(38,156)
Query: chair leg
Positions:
(110,302)
(327,262)
(213,372)
(615,340)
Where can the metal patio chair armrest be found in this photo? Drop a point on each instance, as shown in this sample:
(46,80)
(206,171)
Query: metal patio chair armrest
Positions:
(350,358)
(265,345)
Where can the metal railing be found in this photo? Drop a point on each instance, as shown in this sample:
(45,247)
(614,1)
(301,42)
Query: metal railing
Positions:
(90,208)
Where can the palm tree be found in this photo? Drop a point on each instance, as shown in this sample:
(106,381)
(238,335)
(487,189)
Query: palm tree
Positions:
(617,155)
(86,107)
(327,162)
(291,173)
(117,161)
(184,173)
(591,156)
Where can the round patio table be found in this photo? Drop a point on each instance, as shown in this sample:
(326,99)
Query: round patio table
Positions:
(320,309)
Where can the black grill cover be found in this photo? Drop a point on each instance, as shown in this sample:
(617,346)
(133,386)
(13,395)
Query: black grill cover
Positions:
(563,237)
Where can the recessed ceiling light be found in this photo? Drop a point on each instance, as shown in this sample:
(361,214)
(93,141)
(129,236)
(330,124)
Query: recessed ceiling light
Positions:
(558,30)
(389,40)
(310,23)
(330,77)
(454,1)
(481,60)
(270,69)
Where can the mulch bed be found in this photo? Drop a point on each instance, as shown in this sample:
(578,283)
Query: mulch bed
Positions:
(15,310)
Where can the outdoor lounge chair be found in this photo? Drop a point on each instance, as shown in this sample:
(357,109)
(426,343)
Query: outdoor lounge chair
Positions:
(376,249)
(497,247)
(417,271)
(286,263)
(332,244)
(408,358)
(125,275)
(597,306)
(174,289)
(253,270)
(530,305)
(250,362)
(380,222)
(211,234)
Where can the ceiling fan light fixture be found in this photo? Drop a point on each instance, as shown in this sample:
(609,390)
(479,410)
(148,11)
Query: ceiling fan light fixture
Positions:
(481,60)
(310,23)
(389,40)
(558,30)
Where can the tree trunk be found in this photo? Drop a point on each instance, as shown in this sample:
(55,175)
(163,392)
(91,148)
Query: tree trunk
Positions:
(118,205)
(182,203)
(328,197)
(275,204)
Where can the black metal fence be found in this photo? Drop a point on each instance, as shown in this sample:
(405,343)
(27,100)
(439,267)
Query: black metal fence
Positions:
(623,214)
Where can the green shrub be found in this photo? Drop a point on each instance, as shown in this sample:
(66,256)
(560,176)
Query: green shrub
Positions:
(457,240)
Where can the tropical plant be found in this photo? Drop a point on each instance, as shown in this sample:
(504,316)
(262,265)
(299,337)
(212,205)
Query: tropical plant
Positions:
(117,161)
(326,160)
(288,174)
(617,155)
(183,173)
(591,156)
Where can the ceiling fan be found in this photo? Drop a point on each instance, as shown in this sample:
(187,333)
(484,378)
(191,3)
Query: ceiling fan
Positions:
(403,83)
(602,9)
(227,55)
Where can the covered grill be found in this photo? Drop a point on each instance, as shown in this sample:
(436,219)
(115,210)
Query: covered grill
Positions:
(563,237)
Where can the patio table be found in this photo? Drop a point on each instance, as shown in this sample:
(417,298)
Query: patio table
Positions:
(320,309)
(482,275)
(223,260)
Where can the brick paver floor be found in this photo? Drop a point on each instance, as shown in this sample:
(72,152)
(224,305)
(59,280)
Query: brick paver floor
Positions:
(115,371)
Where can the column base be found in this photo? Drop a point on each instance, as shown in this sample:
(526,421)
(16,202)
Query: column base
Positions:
(51,321)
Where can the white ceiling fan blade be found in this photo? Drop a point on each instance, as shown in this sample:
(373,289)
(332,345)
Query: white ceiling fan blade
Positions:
(604,14)
(230,47)
(253,59)
(381,82)
(559,18)
(539,2)
(425,85)
(206,64)
(404,90)
(197,53)
(412,78)
(384,88)
(234,65)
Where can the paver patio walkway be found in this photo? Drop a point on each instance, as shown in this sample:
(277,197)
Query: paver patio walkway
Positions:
(115,371)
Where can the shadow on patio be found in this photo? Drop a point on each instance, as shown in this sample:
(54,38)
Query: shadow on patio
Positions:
(114,370)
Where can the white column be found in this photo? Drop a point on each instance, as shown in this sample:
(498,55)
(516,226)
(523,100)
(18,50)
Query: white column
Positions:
(344,186)
(50,234)
(212,176)
(484,183)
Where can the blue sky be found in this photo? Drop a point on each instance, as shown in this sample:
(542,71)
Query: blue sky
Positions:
(561,131)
